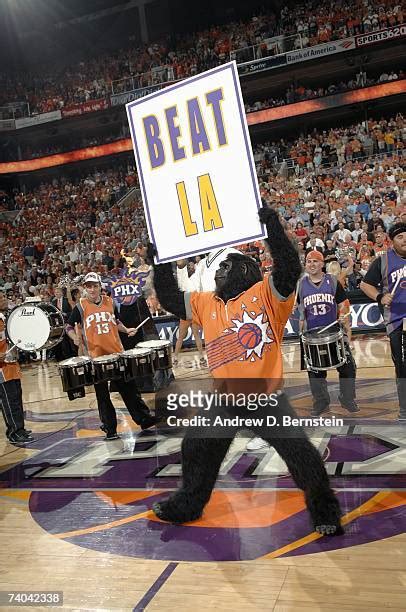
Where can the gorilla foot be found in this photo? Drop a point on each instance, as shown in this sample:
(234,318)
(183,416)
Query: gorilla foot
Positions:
(325,511)
(177,509)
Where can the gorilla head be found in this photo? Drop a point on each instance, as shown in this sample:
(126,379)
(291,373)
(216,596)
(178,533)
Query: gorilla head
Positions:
(236,274)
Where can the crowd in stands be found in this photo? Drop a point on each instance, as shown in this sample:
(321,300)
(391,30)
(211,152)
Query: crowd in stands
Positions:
(317,22)
(299,92)
(67,228)
(346,208)
(320,149)
(295,93)
(309,23)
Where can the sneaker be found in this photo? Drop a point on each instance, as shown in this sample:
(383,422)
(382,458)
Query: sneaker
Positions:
(203,362)
(175,362)
(112,435)
(352,406)
(20,437)
(315,412)
(148,422)
(256,444)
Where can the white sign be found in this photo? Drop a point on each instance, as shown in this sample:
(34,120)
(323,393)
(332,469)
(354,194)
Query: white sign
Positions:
(195,165)
(329,48)
(37,119)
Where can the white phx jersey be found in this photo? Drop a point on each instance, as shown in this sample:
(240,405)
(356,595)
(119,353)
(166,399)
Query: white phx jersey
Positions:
(203,277)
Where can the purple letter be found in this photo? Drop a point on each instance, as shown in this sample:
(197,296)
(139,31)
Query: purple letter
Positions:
(174,133)
(197,129)
(214,98)
(155,146)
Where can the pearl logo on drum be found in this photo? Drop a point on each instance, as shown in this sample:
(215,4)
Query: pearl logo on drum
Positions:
(27,312)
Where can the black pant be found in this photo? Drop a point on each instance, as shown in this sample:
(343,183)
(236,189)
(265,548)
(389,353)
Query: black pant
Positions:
(132,399)
(11,400)
(318,384)
(203,453)
(65,349)
(398,348)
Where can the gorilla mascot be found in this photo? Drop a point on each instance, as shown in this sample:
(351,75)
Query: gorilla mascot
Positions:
(239,278)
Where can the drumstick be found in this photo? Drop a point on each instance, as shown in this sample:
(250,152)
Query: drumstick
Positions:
(12,347)
(140,325)
(323,329)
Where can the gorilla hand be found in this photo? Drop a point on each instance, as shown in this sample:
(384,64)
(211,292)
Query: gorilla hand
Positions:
(286,263)
(268,215)
(166,287)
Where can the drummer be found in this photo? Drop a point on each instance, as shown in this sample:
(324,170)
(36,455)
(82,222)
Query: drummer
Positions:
(383,283)
(93,323)
(11,397)
(321,301)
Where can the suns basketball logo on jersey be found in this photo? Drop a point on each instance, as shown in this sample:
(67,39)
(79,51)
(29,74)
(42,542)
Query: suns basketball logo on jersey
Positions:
(246,339)
(127,287)
(252,332)
(396,274)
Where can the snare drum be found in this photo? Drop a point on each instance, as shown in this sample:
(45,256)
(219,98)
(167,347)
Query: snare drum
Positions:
(75,372)
(34,326)
(162,352)
(325,351)
(106,368)
(138,363)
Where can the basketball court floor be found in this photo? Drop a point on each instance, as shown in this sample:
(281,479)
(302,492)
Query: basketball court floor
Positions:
(75,510)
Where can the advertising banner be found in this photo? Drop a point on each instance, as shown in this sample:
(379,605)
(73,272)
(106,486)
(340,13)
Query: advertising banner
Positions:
(330,48)
(364,318)
(90,106)
(263,64)
(383,35)
(136,94)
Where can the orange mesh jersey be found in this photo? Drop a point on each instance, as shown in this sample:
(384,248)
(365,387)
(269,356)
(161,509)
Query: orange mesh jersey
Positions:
(8,371)
(99,327)
(243,337)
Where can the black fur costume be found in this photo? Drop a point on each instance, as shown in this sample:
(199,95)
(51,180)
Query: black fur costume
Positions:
(202,458)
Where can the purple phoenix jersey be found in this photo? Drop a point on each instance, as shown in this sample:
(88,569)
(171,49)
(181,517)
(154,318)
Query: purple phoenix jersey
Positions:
(392,266)
(318,306)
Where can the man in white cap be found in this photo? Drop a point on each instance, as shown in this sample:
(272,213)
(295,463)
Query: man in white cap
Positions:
(93,321)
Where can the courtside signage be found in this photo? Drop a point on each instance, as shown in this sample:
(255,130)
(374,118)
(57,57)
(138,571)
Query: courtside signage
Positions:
(195,165)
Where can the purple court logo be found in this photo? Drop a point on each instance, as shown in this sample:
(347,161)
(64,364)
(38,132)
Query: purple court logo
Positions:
(99,495)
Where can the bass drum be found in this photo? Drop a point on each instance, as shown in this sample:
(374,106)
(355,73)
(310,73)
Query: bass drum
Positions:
(35,326)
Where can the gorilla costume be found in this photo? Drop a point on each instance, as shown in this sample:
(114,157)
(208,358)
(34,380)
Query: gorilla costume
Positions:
(202,458)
